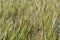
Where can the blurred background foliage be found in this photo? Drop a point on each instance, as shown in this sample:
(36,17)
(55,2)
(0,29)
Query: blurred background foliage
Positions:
(29,19)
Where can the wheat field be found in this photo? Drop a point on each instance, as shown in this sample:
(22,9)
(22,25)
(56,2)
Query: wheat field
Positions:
(29,19)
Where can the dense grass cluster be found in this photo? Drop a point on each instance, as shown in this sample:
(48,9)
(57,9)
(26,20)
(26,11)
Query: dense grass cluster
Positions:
(29,19)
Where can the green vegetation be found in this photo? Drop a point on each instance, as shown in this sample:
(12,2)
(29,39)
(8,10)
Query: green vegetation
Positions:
(29,19)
